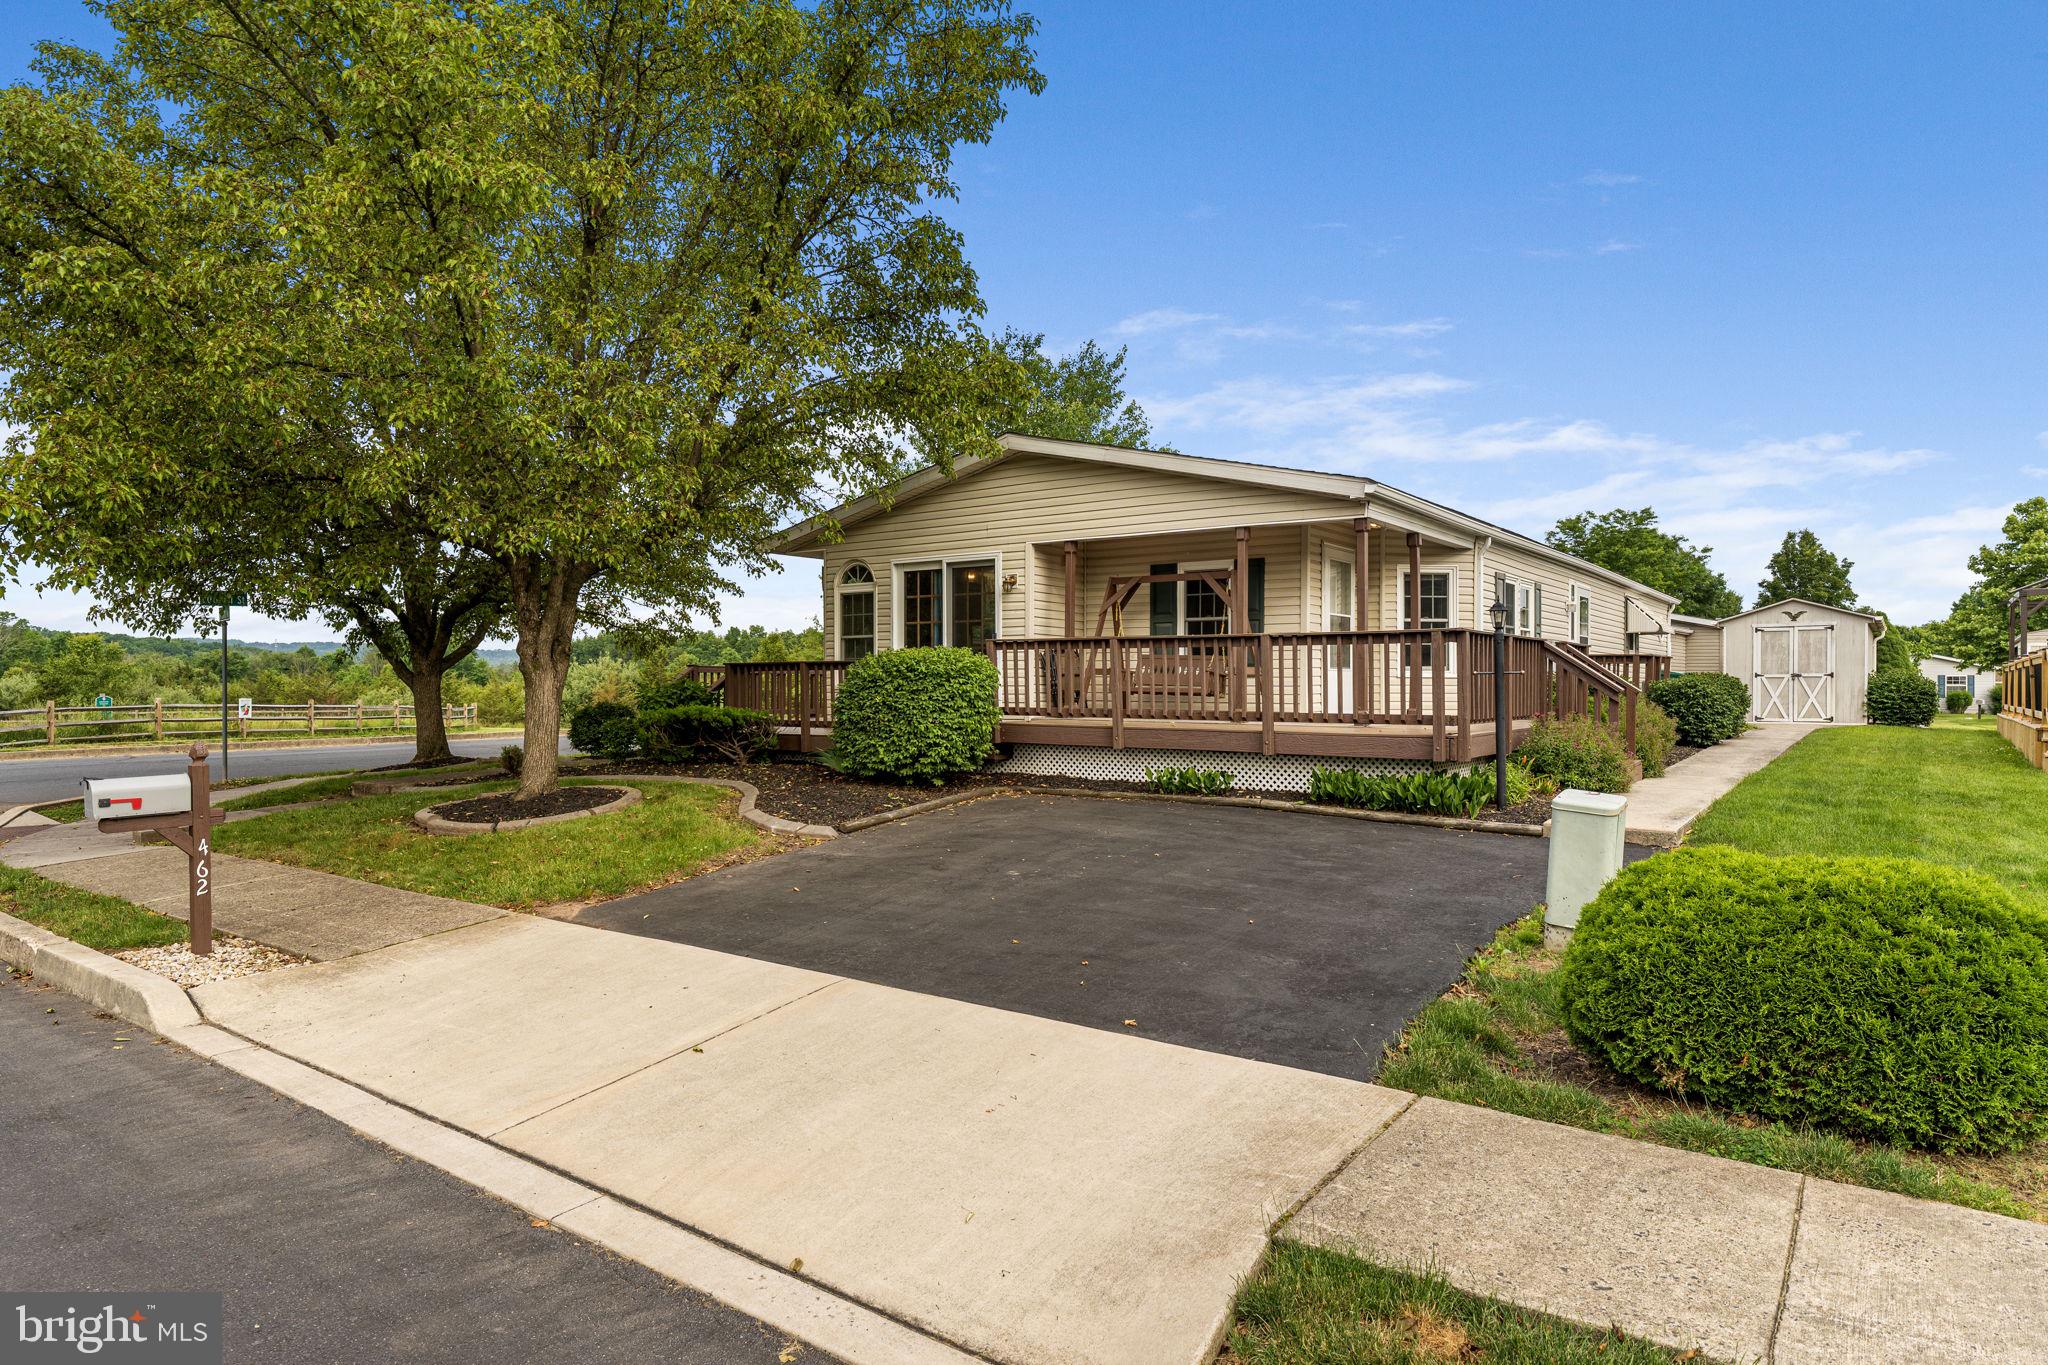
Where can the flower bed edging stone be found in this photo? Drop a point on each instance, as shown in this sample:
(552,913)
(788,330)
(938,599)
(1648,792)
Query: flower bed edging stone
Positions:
(750,797)
(431,823)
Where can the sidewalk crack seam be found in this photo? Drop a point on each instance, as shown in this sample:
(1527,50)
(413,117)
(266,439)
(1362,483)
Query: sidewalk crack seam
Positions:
(495,1133)
(1273,1229)
(1785,1281)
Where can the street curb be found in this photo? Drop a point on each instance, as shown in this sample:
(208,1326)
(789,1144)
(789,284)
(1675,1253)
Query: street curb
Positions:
(832,1323)
(119,988)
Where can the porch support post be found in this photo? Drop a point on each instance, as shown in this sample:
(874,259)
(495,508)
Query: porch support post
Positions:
(1415,623)
(1070,558)
(1240,618)
(1240,584)
(1361,568)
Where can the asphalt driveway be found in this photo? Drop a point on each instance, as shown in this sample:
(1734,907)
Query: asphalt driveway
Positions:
(1301,940)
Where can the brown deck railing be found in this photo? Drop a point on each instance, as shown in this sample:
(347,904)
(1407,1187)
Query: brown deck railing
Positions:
(2020,687)
(1640,669)
(1441,679)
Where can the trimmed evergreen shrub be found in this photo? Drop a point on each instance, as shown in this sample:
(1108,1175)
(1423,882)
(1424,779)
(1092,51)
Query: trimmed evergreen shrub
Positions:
(681,690)
(915,715)
(1958,701)
(604,728)
(729,734)
(1900,1000)
(1899,697)
(512,758)
(1994,699)
(1656,733)
(1577,751)
(1706,707)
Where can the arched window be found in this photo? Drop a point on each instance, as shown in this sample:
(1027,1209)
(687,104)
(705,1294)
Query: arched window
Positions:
(856,612)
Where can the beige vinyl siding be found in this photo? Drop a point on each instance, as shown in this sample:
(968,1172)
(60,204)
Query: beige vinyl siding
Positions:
(1609,634)
(1699,652)
(1034,501)
(1279,546)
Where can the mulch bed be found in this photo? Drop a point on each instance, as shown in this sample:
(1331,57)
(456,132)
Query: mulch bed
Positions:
(815,795)
(1679,753)
(484,810)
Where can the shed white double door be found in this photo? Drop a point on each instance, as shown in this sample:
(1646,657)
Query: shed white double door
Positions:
(1794,677)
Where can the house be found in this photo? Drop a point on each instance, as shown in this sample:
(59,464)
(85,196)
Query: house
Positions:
(1804,661)
(1146,608)
(1951,674)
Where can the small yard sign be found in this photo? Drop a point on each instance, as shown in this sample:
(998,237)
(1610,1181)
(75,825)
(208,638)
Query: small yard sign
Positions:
(244,707)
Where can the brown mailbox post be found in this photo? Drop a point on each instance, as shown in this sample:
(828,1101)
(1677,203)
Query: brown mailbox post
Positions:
(192,831)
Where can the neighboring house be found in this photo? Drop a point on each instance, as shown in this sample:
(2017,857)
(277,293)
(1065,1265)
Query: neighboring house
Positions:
(1803,661)
(1951,674)
(1268,611)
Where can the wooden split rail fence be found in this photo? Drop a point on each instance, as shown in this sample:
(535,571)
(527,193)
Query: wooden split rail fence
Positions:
(148,722)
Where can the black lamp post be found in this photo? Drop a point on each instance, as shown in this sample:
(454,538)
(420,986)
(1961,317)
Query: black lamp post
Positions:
(1502,730)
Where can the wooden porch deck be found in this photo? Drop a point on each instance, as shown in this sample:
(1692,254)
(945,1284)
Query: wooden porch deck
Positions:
(1425,696)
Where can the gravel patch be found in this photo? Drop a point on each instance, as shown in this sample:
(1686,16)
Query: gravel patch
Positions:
(231,957)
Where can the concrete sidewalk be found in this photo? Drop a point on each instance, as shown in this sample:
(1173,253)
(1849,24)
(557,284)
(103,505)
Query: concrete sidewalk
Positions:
(313,914)
(1041,1192)
(1662,809)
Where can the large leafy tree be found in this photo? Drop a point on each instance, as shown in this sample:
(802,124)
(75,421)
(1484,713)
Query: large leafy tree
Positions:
(1803,567)
(1078,397)
(598,293)
(1976,627)
(1629,542)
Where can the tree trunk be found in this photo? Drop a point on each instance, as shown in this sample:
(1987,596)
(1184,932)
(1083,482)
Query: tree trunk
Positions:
(544,609)
(430,726)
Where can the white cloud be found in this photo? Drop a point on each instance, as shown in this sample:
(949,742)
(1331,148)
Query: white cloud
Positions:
(2034,471)
(1419,329)
(1614,245)
(1608,180)
(1160,320)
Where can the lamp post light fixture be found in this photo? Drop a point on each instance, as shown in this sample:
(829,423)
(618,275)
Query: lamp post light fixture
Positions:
(1502,729)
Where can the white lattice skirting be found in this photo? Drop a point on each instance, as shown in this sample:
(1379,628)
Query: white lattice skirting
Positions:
(1254,772)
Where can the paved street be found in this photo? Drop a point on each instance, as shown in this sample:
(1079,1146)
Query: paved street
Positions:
(147,1168)
(52,779)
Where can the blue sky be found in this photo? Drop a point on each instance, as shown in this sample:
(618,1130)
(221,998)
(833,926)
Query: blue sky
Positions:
(1759,267)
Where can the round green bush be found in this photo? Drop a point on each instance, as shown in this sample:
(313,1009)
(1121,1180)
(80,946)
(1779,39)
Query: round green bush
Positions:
(1707,707)
(1577,751)
(915,715)
(1958,701)
(608,729)
(1656,734)
(1900,1000)
(1897,697)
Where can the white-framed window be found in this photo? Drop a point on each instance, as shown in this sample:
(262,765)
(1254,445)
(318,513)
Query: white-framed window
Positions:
(1525,603)
(1202,612)
(1579,625)
(1439,591)
(856,612)
(950,601)
(1340,591)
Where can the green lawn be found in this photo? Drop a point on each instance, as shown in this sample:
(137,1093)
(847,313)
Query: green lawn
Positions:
(674,832)
(341,784)
(97,921)
(1307,1306)
(1969,721)
(1954,794)
(1498,1041)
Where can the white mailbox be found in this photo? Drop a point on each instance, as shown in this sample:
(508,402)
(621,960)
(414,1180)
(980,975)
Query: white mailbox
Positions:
(113,798)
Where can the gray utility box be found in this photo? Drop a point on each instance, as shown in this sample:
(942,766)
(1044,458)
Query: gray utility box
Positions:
(1587,834)
(117,798)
